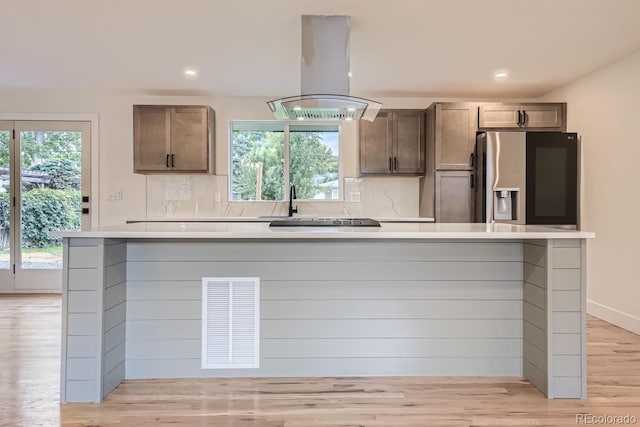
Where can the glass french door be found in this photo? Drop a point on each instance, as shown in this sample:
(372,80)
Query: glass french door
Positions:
(45,182)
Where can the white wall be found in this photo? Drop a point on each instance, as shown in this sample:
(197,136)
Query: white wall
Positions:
(380,196)
(604,108)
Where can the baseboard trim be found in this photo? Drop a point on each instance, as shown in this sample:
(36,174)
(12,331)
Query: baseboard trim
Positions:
(616,317)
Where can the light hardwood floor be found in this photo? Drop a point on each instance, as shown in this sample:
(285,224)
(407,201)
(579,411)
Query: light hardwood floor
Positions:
(29,389)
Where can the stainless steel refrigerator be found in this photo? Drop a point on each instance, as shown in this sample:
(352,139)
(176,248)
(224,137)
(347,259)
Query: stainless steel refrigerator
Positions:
(527,178)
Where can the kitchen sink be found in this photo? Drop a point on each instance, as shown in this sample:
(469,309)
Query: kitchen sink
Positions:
(323,222)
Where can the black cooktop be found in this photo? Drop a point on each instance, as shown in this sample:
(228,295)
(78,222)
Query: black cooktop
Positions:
(323,222)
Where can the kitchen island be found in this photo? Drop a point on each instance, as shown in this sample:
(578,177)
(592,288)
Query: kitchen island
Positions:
(404,299)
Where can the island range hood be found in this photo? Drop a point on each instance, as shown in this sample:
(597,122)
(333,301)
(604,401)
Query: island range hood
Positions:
(325,76)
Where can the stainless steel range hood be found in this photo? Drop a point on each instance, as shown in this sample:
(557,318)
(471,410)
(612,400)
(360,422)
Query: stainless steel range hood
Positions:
(324,76)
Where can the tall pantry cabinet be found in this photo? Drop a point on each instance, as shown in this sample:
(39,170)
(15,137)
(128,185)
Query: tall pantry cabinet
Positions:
(446,192)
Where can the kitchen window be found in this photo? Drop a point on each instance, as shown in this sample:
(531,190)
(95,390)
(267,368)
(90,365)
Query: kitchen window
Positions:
(266,157)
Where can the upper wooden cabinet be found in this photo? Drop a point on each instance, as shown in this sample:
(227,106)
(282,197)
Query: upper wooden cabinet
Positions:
(173,138)
(451,135)
(531,116)
(393,143)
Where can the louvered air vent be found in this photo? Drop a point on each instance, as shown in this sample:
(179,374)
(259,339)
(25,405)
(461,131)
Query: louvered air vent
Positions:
(230,322)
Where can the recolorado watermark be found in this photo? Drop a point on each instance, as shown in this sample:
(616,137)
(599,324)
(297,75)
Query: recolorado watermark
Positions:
(590,419)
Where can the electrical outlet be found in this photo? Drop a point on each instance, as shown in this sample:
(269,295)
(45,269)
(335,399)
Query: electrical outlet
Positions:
(115,195)
(217,197)
(354,197)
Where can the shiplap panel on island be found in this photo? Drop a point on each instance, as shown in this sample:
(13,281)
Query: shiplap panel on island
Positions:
(94,276)
(554,317)
(350,308)
(338,308)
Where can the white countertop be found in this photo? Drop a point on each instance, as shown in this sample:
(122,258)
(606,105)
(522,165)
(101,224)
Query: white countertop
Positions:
(269,218)
(261,230)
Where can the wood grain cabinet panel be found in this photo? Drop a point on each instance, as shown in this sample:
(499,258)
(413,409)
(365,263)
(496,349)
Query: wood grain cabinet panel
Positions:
(408,126)
(454,196)
(176,139)
(376,144)
(454,135)
(393,143)
(529,116)
(151,136)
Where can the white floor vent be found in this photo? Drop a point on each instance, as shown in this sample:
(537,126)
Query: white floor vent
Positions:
(230,322)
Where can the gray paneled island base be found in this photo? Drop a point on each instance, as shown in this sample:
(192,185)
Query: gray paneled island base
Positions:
(406,299)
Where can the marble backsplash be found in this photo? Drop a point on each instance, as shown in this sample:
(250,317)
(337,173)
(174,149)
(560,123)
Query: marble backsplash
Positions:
(193,196)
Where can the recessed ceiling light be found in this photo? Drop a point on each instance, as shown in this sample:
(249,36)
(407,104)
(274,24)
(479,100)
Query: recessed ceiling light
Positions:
(501,75)
(190,72)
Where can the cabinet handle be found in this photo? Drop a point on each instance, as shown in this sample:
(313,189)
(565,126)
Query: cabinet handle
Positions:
(395,164)
(167,160)
(471,181)
(173,161)
(471,159)
(524,118)
(390,164)
(519,118)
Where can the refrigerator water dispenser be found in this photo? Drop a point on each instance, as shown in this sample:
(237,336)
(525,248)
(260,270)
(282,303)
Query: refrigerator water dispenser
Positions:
(505,201)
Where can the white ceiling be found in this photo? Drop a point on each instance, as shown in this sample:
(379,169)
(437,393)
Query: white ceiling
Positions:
(440,48)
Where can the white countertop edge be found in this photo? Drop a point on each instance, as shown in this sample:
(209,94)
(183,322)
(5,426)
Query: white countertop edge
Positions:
(269,218)
(327,235)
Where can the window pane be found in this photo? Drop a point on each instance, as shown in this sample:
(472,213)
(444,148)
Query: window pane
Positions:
(50,178)
(314,160)
(257,162)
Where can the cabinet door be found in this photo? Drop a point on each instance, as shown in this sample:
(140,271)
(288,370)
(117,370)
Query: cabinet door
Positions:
(151,136)
(189,139)
(544,116)
(455,135)
(376,153)
(499,116)
(408,129)
(454,196)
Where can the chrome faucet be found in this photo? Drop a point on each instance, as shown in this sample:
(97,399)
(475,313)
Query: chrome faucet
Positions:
(292,195)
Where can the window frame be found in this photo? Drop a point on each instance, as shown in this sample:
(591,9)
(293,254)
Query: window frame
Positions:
(286,129)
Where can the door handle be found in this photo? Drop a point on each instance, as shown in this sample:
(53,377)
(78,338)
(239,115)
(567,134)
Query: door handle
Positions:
(167,160)
(173,160)
(395,164)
